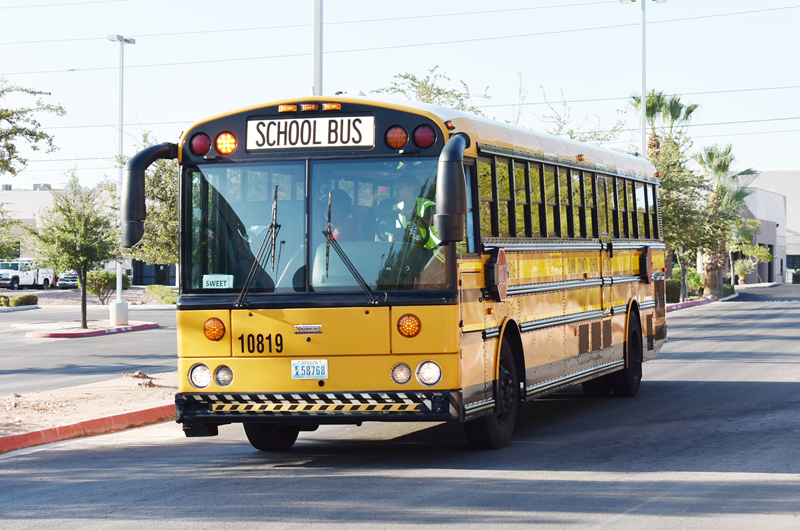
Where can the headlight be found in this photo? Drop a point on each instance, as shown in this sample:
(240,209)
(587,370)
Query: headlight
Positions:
(429,373)
(223,376)
(200,376)
(401,374)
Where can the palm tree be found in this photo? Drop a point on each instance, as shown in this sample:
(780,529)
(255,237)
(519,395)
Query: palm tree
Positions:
(653,108)
(674,112)
(725,204)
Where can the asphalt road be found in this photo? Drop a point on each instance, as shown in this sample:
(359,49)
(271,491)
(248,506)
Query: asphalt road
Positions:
(711,441)
(30,365)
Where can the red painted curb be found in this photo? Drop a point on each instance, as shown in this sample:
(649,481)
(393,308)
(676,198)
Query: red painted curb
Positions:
(117,422)
(684,305)
(79,334)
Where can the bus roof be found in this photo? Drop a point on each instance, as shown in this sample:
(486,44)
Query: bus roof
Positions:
(487,136)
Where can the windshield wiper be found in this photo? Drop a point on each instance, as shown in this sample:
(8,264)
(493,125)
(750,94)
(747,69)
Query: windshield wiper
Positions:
(331,242)
(264,252)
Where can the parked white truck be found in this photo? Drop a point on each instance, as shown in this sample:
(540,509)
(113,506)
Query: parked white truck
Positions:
(22,272)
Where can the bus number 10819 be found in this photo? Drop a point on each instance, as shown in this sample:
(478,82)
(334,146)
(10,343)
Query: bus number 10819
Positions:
(260,343)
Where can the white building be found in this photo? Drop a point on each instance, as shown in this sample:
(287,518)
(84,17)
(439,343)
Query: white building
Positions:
(786,183)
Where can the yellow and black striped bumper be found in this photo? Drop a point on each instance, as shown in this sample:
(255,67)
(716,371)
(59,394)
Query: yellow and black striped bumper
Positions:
(317,408)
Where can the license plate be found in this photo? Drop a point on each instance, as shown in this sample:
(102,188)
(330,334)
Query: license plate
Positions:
(310,369)
(309,133)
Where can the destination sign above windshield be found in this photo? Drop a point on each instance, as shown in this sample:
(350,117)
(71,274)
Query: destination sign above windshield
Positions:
(354,131)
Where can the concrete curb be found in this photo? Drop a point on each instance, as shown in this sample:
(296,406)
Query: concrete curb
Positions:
(94,333)
(693,303)
(20,308)
(117,422)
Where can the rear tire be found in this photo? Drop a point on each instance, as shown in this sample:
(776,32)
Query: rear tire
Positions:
(45,284)
(495,430)
(271,436)
(626,383)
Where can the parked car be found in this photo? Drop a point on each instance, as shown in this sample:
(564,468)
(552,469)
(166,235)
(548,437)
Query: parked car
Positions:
(24,272)
(68,280)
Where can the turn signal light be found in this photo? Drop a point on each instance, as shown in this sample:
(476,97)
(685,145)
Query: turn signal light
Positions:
(409,325)
(214,329)
(200,144)
(226,143)
(396,137)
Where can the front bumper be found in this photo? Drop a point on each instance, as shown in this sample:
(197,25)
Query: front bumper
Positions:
(317,408)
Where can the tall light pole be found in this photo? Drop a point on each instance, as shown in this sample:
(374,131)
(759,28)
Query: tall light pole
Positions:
(119,308)
(643,100)
(317,88)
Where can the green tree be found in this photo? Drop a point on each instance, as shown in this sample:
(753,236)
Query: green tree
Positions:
(20,125)
(9,244)
(160,242)
(725,204)
(654,108)
(683,206)
(76,233)
(674,112)
(430,89)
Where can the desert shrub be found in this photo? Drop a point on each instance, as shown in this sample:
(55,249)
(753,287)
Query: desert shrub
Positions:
(4,300)
(24,299)
(164,294)
(743,268)
(673,291)
(103,283)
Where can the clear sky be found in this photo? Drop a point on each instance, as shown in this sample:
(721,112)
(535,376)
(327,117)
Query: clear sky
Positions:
(737,59)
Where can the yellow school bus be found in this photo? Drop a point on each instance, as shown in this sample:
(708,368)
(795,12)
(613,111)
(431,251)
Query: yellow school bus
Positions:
(347,259)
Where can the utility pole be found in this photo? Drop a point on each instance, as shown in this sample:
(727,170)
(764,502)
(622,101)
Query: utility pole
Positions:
(119,308)
(316,90)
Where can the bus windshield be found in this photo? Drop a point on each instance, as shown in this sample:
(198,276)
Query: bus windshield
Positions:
(381,216)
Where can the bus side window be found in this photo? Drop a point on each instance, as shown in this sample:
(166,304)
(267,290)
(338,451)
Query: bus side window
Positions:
(621,210)
(467,245)
(505,211)
(653,210)
(522,199)
(563,203)
(551,207)
(633,230)
(538,218)
(588,186)
(578,217)
(602,205)
(641,212)
(486,196)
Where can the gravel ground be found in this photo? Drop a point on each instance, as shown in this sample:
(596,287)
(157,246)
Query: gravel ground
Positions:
(55,408)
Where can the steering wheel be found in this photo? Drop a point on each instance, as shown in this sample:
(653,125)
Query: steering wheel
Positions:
(384,223)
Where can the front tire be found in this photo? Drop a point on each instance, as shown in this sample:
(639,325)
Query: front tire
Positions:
(626,383)
(271,436)
(495,430)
